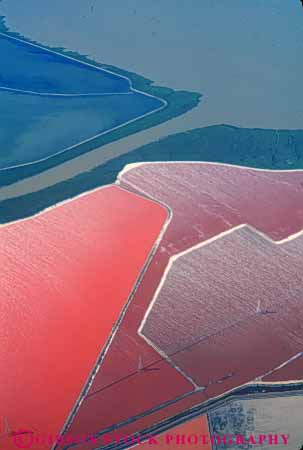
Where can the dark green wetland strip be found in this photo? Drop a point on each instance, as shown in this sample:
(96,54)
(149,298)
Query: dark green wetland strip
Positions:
(178,103)
(257,148)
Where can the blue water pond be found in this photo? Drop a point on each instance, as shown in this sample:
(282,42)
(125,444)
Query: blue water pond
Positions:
(49,103)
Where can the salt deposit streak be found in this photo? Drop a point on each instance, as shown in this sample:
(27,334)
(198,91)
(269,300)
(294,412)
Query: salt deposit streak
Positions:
(59,300)
(234,306)
(205,200)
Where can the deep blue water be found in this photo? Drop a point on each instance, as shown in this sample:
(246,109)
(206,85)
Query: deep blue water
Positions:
(30,68)
(35,126)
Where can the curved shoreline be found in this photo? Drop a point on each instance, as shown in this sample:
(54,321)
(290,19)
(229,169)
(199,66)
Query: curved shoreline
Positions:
(132,90)
(174,103)
(223,144)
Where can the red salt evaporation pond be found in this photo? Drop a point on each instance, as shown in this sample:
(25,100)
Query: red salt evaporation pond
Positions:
(235,308)
(292,371)
(206,199)
(178,437)
(194,434)
(65,276)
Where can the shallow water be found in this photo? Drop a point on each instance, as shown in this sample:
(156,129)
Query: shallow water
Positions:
(28,67)
(49,103)
(245,57)
(35,127)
